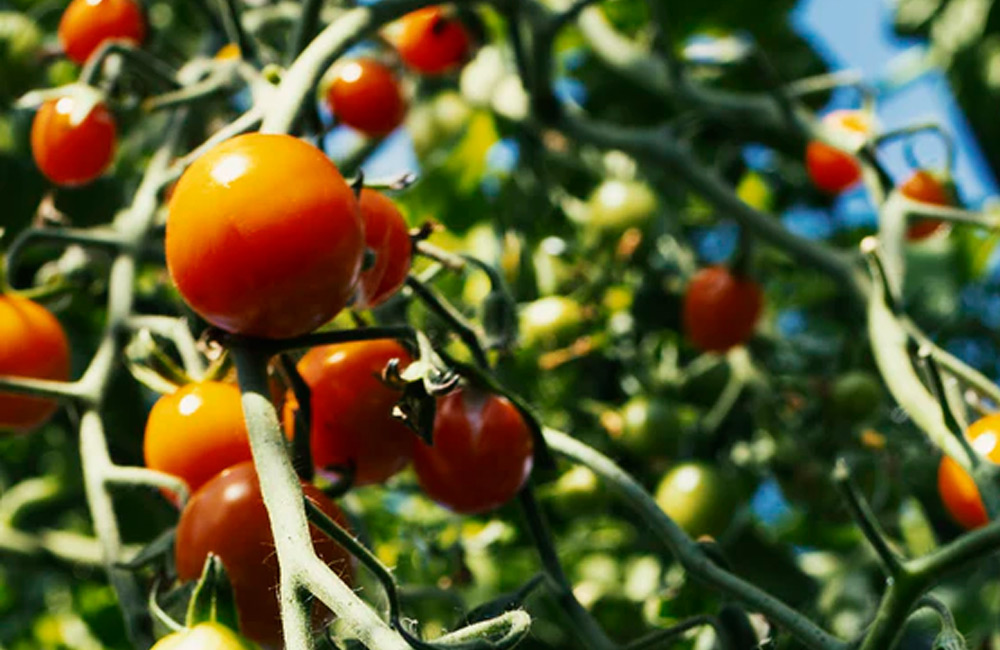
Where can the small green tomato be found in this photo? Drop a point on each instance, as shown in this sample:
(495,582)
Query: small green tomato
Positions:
(698,497)
(204,636)
(616,205)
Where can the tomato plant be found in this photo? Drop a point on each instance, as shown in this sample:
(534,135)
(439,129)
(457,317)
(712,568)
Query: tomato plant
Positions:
(88,24)
(721,309)
(387,236)
(957,489)
(366,95)
(72,149)
(264,237)
(431,41)
(353,430)
(227,517)
(830,168)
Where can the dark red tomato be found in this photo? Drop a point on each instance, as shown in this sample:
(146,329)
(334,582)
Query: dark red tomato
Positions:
(388,237)
(32,344)
(958,491)
(482,452)
(721,309)
(87,24)
(432,42)
(366,96)
(831,169)
(352,423)
(71,154)
(923,186)
(264,237)
(227,517)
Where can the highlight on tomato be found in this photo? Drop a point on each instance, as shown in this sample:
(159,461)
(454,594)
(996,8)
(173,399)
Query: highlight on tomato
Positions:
(204,636)
(32,344)
(958,490)
(925,187)
(264,237)
(352,423)
(721,309)
(481,454)
(197,432)
(616,205)
(88,24)
(70,144)
(431,41)
(698,497)
(227,517)
(388,237)
(367,96)
(831,169)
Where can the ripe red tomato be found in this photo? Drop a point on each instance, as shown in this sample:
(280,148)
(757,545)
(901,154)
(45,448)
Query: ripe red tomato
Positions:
(387,235)
(264,236)
(227,517)
(482,452)
(352,419)
(197,432)
(721,309)
(69,154)
(831,169)
(432,42)
(923,186)
(366,96)
(958,491)
(87,24)
(32,344)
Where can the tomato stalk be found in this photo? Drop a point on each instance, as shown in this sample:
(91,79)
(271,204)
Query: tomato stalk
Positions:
(146,65)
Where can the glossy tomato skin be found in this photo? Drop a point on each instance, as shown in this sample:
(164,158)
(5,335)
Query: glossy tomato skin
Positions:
(957,489)
(204,636)
(87,24)
(923,186)
(432,42)
(197,432)
(482,452)
(68,154)
(698,497)
(227,517)
(32,344)
(721,309)
(352,421)
(388,237)
(264,237)
(831,169)
(365,95)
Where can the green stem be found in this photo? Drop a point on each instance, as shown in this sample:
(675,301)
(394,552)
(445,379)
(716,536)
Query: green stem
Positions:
(863,516)
(142,61)
(456,322)
(305,28)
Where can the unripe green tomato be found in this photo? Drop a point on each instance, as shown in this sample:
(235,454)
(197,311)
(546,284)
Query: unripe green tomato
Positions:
(550,321)
(423,132)
(451,113)
(616,205)
(204,636)
(20,45)
(855,395)
(698,497)
(650,427)
(577,492)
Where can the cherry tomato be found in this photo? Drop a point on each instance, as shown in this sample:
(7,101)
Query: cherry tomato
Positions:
(197,432)
(923,186)
(32,344)
(72,154)
(352,421)
(482,452)
(432,42)
(831,169)
(204,636)
(855,395)
(958,491)
(616,205)
(652,427)
(87,24)
(720,309)
(366,96)
(227,517)
(264,236)
(388,237)
(550,321)
(698,497)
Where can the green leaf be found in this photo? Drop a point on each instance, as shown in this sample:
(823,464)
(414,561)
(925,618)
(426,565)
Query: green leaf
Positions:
(213,600)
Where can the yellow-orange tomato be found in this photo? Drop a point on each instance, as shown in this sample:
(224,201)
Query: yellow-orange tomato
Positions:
(387,236)
(197,432)
(432,42)
(958,491)
(72,154)
(87,24)
(923,186)
(32,344)
(831,169)
(366,96)
(264,236)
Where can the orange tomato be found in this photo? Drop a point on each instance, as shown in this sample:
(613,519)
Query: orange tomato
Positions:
(352,423)
(69,154)
(87,24)
(388,237)
(958,491)
(264,237)
(32,344)
(721,310)
(831,169)
(432,42)
(923,186)
(366,96)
